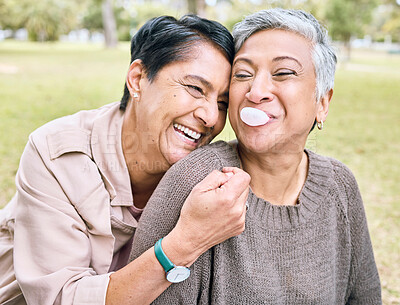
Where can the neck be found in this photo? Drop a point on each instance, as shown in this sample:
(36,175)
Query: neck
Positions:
(144,175)
(276,177)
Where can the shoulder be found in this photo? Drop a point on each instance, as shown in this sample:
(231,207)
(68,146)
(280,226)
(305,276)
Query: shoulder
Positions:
(209,157)
(338,171)
(338,179)
(71,133)
(59,154)
(199,163)
(220,151)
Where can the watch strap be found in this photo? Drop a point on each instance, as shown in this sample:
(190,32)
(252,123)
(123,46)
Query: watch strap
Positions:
(161,257)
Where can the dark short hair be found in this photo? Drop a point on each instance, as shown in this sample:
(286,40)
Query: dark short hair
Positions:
(165,39)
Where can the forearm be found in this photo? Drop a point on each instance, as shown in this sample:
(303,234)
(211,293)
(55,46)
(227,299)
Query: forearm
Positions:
(143,279)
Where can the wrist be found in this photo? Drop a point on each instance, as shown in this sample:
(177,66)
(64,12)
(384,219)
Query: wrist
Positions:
(174,273)
(180,251)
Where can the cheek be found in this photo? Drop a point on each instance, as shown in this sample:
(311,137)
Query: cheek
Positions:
(237,94)
(233,117)
(221,122)
(237,90)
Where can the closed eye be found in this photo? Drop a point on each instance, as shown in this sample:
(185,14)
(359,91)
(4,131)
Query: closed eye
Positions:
(241,76)
(285,73)
(195,90)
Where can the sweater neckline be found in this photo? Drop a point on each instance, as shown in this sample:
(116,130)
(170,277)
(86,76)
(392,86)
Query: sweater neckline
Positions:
(313,193)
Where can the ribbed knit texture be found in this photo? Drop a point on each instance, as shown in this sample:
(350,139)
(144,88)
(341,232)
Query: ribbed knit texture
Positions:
(316,252)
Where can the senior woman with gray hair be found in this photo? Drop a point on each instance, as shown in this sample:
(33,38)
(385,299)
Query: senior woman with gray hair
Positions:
(306,239)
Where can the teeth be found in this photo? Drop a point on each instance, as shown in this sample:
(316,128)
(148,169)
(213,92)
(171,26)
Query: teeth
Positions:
(191,133)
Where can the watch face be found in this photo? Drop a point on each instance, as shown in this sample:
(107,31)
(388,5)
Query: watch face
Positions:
(178,274)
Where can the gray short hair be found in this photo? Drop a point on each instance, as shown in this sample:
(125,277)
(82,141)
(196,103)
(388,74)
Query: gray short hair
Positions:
(301,23)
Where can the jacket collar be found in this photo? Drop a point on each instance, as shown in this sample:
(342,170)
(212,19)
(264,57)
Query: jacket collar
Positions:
(107,153)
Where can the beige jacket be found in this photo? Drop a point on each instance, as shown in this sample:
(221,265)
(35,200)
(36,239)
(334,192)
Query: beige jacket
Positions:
(69,215)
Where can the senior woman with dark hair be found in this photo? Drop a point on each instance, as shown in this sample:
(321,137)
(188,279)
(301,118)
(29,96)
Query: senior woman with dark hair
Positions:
(306,239)
(84,179)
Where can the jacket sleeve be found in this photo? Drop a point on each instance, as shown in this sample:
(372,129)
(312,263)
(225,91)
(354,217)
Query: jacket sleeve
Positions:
(161,214)
(364,283)
(54,245)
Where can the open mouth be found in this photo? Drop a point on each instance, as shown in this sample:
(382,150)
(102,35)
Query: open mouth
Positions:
(187,133)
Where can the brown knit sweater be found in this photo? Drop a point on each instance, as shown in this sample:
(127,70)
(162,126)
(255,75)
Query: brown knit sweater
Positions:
(317,252)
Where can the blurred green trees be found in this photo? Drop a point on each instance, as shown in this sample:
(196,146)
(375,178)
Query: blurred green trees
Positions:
(46,20)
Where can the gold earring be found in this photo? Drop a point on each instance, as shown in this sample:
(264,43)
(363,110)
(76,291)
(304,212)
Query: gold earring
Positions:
(320,125)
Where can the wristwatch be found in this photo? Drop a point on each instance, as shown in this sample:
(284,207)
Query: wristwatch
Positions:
(174,274)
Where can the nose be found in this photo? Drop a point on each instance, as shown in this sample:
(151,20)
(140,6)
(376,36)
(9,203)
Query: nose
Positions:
(207,113)
(260,90)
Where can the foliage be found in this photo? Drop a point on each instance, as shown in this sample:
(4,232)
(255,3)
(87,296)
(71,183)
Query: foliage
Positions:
(392,24)
(346,18)
(128,18)
(47,19)
(4,14)
(240,8)
(43,19)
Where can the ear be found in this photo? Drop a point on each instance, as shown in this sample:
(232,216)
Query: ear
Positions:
(135,74)
(323,106)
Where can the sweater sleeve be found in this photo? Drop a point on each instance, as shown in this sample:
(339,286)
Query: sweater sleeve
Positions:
(364,284)
(161,214)
(52,249)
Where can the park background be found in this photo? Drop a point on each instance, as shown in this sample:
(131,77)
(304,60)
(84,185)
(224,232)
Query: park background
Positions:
(60,56)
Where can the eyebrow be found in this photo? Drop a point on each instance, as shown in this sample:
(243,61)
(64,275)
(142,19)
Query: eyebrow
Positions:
(204,82)
(280,58)
(200,79)
(247,60)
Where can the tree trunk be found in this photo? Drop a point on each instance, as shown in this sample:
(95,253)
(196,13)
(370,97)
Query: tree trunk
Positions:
(192,6)
(197,7)
(109,24)
(347,47)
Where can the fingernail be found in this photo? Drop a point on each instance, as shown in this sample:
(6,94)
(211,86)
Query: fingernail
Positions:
(229,174)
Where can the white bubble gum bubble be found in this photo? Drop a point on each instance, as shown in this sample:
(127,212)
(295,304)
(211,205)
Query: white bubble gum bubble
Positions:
(253,117)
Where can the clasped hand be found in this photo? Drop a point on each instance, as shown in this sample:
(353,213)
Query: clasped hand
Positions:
(214,211)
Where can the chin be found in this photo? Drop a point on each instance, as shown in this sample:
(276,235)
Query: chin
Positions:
(172,158)
(256,143)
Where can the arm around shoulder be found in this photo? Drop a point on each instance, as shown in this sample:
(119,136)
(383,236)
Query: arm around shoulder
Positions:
(213,209)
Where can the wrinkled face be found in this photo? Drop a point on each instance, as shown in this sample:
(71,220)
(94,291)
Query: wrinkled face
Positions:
(273,72)
(185,105)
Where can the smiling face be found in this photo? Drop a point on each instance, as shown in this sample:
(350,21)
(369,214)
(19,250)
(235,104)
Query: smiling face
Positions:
(273,71)
(182,108)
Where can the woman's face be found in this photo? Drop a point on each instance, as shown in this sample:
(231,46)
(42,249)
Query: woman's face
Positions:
(184,106)
(273,72)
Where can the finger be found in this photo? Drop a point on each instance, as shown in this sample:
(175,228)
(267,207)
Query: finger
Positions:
(214,180)
(237,183)
(232,169)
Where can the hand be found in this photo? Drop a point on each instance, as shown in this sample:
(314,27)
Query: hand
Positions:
(214,211)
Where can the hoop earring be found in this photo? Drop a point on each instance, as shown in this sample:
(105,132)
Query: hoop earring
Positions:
(320,125)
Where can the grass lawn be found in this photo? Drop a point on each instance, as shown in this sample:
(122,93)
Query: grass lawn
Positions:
(39,82)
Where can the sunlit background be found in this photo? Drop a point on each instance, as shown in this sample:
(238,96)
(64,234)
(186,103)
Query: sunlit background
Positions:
(357,22)
(60,56)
